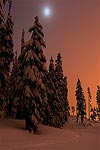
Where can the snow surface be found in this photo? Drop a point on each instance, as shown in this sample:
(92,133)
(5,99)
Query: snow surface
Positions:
(13,136)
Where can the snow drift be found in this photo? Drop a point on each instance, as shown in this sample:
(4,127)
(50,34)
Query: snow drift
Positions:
(13,136)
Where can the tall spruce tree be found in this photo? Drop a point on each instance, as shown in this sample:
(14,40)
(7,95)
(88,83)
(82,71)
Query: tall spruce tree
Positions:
(80,104)
(16,81)
(55,109)
(15,74)
(30,90)
(89,101)
(98,97)
(61,88)
(6,54)
(2,30)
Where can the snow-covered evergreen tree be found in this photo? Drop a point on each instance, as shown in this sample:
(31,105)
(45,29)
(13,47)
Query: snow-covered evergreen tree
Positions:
(9,34)
(61,88)
(16,81)
(89,101)
(6,55)
(30,90)
(2,29)
(81,103)
(98,97)
(56,89)
(54,112)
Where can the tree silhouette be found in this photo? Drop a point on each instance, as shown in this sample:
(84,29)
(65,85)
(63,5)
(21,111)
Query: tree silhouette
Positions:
(98,100)
(89,101)
(30,91)
(81,104)
(6,54)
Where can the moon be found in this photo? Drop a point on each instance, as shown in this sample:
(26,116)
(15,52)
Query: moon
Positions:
(47,11)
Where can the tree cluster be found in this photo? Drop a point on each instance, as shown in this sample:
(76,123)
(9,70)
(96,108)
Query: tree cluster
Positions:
(35,88)
(57,92)
(30,86)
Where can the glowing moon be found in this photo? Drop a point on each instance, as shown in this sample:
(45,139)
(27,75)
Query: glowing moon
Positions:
(47,11)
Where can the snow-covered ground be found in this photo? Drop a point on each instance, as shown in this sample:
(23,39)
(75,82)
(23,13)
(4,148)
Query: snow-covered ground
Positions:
(73,136)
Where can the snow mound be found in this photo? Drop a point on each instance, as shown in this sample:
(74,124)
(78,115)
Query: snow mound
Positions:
(13,136)
(73,124)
